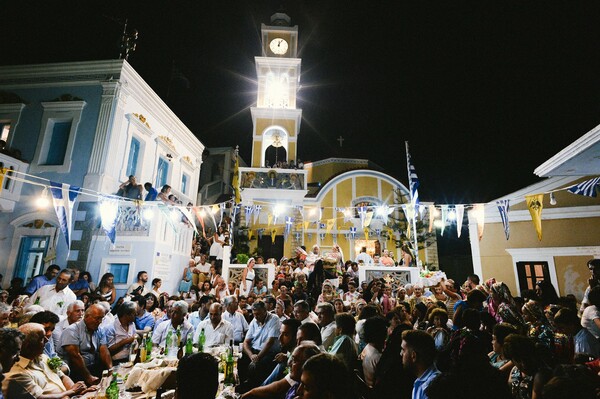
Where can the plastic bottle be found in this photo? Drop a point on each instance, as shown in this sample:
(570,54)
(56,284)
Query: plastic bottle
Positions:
(112,392)
(201,341)
(148,347)
(189,345)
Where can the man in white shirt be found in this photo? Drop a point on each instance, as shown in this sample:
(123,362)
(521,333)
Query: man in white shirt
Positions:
(202,268)
(178,313)
(326,314)
(301,269)
(302,312)
(216,330)
(55,297)
(74,314)
(121,333)
(364,257)
(236,318)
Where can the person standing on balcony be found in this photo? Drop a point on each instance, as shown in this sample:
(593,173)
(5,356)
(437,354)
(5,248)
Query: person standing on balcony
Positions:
(152,192)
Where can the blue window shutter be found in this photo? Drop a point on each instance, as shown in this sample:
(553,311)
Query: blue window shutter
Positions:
(58,143)
(134,151)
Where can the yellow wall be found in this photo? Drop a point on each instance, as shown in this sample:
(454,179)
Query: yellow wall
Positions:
(323,172)
(571,271)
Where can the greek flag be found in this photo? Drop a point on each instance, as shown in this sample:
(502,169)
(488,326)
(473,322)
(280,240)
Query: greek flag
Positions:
(587,188)
(413,180)
(63,197)
(503,206)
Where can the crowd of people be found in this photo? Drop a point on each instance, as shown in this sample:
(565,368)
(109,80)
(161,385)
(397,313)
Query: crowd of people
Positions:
(131,189)
(316,331)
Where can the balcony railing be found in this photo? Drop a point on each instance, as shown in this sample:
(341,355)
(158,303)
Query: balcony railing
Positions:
(275,179)
(10,192)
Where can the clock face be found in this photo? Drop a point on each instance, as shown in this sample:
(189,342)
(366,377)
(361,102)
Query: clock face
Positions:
(278,46)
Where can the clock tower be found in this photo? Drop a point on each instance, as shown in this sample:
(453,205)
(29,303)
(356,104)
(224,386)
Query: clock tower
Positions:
(275,119)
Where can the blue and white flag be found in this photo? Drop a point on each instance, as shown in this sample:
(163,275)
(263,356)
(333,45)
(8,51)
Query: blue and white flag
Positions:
(587,188)
(503,207)
(221,210)
(248,210)
(63,197)
(234,210)
(288,225)
(322,225)
(413,180)
(353,232)
(362,213)
(257,209)
(322,236)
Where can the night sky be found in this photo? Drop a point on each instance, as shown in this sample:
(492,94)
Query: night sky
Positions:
(483,91)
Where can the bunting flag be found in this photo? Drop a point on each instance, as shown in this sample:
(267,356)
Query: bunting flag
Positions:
(63,197)
(306,224)
(460,211)
(432,212)
(309,235)
(321,225)
(166,211)
(300,210)
(269,219)
(587,188)
(413,180)
(390,234)
(322,236)
(368,218)
(256,211)
(297,235)
(444,218)
(214,209)
(250,234)
(260,233)
(237,198)
(273,235)
(347,214)
(409,212)
(366,232)
(421,211)
(248,211)
(188,215)
(503,208)
(478,213)
(234,211)
(353,232)
(535,203)
(201,219)
(362,213)
(2,174)
(330,223)
(289,221)
(109,213)
(378,232)
(222,210)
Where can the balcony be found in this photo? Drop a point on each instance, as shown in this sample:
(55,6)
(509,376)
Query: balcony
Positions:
(10,192)
(271,183)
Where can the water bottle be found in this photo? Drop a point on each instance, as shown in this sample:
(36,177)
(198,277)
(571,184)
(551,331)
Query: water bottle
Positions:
(201,341)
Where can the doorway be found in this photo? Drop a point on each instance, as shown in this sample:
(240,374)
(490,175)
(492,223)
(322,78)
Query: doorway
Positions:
(30,260)
(271,249)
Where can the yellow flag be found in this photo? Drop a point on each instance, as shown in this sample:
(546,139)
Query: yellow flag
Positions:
(366,231)
(236,181)
(269,219)
(2,173)
(330,223)
(250,233)
(306,224)
(535,203)
(273,234)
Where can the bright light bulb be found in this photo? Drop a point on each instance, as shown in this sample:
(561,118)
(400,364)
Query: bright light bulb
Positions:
(438,224)
(312,212)
(202,213)
(108,212)
(278,209)
(148,214)
(42,202)
(452,215)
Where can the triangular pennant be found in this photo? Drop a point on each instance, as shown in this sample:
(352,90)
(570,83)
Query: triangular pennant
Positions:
(432,212)
(330,223)
(366,231)
(460,211)
(257,209)
(535,203)
(503,208)
(444,218)
(587,188)
(63,197)
(188,215)
(368,218)
(198,213)
(289,221)
(306,224)
(478,213)
(2,174)
(269,219)
(250,234)
(273,235)
(109,213)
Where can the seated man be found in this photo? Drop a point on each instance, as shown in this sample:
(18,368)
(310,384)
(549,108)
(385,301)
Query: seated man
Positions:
(178,312)
(10,346)
(144,320)
(84,345)
(74,314)
(79,284)
(287,386)
(325,376)
(217,330)
(237,320)
(121,333)
(48,320)
(32,377)
(130,189)
(55,297)
(49,277)
(260,347)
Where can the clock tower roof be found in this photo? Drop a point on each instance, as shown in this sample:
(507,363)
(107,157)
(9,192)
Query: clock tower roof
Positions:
(280,19)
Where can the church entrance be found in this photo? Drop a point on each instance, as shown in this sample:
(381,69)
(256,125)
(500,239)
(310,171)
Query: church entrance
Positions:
(271,249)
(273,155)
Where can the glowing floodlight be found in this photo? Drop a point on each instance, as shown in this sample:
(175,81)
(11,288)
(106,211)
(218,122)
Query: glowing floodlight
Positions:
(148,214)
(438,224)
(452,215)
(278,209)
(42,201)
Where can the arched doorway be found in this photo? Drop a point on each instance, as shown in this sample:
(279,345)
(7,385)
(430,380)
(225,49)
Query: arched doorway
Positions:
(273,155)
